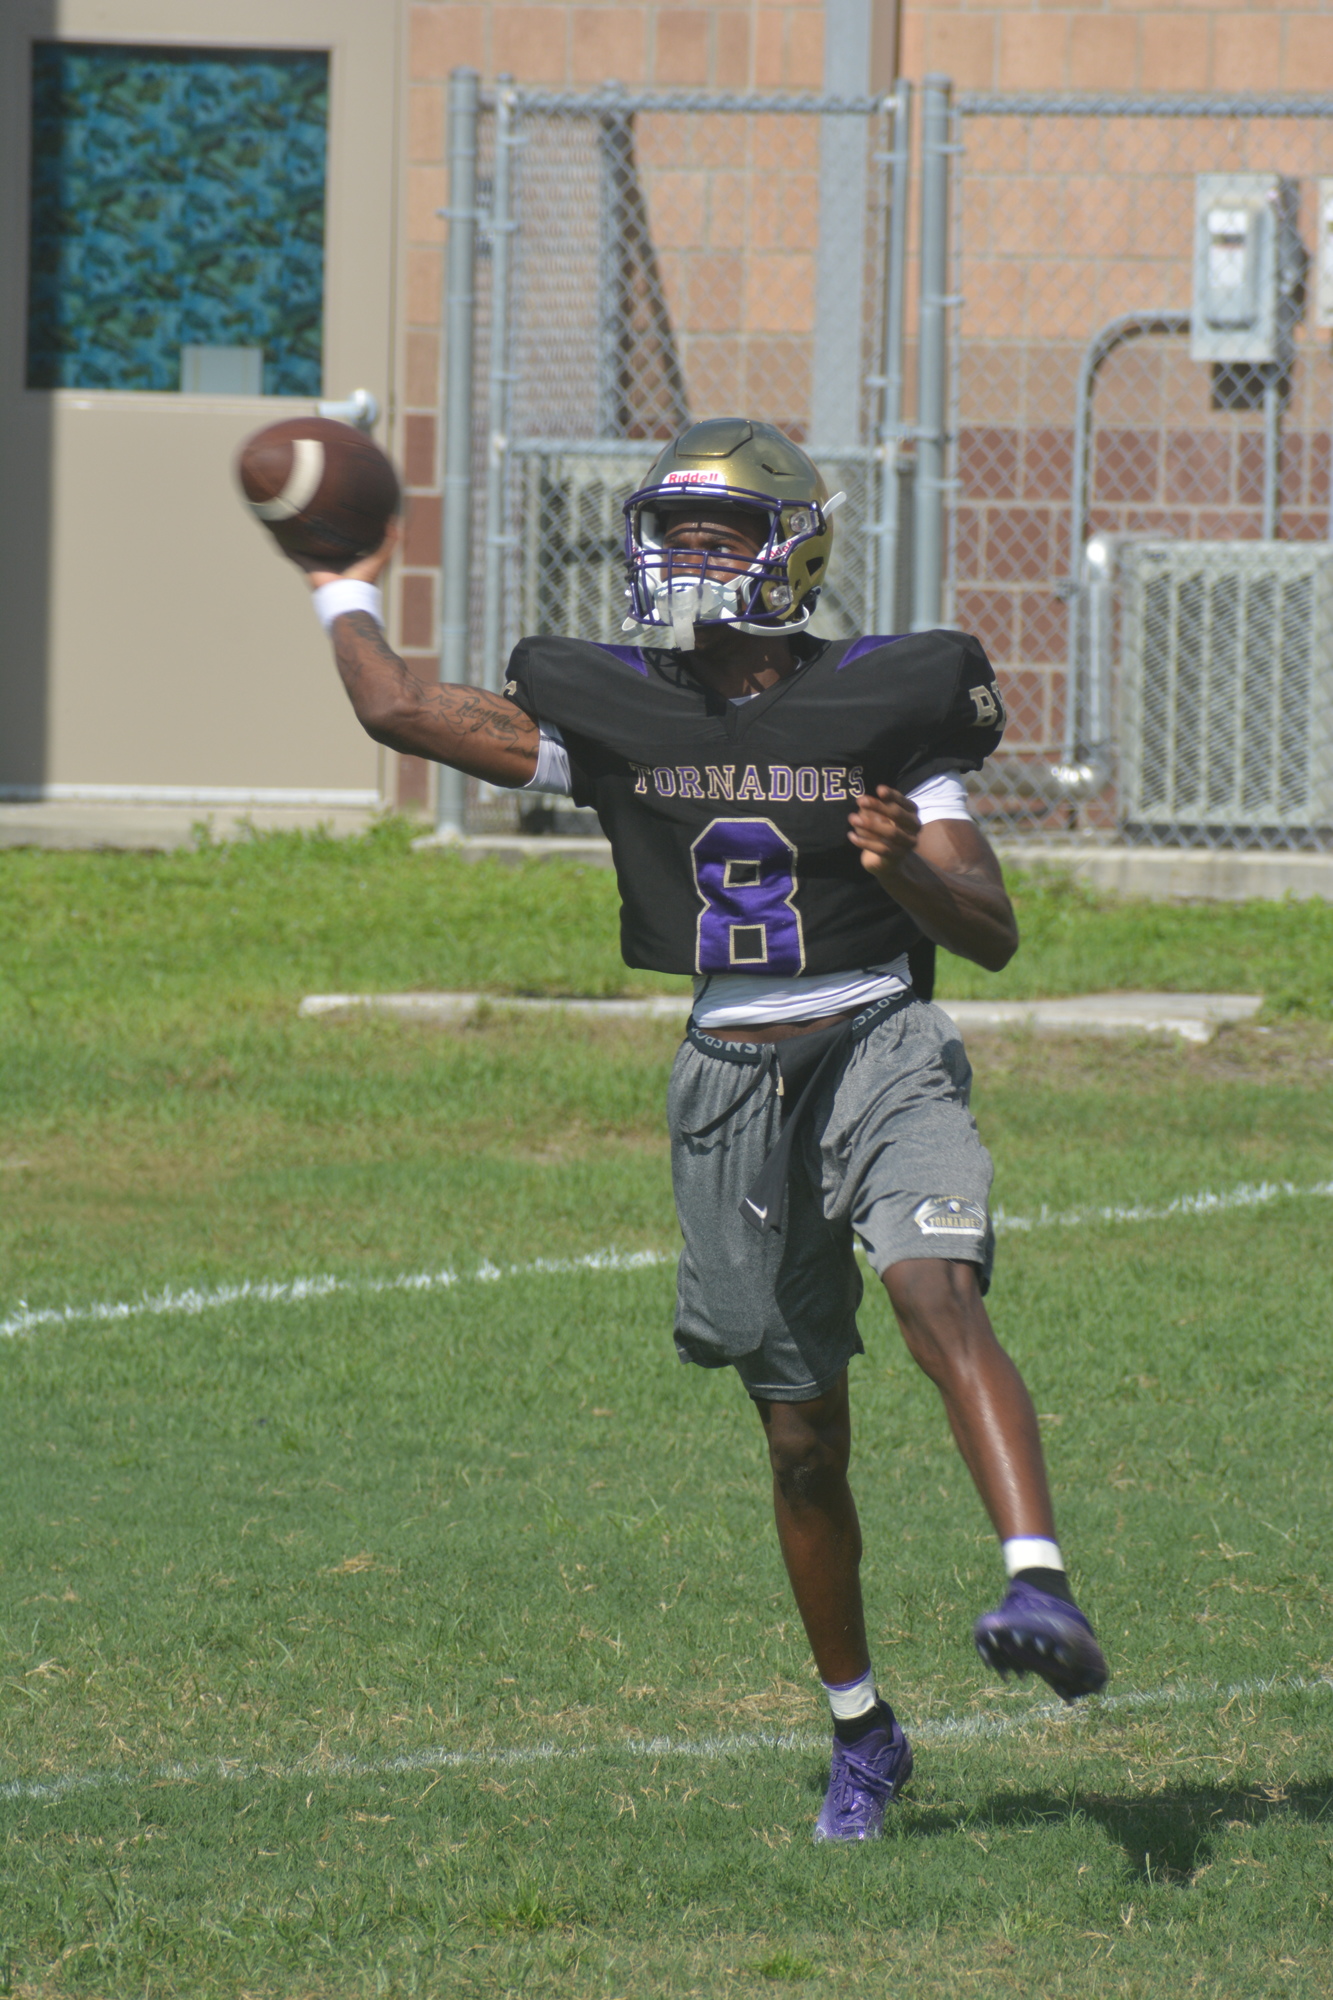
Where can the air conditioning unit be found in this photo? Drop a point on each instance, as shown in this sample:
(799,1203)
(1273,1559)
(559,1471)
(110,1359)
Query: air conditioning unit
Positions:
(571,538)
(1226,686)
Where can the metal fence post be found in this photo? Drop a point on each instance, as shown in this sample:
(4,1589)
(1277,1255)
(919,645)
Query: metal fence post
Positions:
(459,320)
(1272,490)
(932,358)
(501,231)
(615,152)
(886,529)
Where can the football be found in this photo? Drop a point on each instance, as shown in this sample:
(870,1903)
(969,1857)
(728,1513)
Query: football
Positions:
(325,492)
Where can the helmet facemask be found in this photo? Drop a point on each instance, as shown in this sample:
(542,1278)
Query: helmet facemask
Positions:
(671,590)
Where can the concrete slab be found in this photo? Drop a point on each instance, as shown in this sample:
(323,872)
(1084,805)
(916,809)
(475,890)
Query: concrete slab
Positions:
(1158,874)
(1192,1017)
(515,847)
(157,829)
(1181,874)
(451,1007)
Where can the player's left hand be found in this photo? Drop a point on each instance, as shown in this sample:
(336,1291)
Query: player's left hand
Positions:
(886,829)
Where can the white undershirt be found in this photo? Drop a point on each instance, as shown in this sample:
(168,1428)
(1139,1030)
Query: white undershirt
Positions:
(737,999)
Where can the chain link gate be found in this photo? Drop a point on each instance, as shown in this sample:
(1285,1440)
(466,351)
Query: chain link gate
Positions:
(621,264)
(1140,539)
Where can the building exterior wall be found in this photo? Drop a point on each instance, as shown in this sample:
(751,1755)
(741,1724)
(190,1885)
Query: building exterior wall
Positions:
(126,664)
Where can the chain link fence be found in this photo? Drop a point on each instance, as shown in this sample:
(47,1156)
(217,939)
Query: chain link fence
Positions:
(1139,536)
(1134,522)
(641,261)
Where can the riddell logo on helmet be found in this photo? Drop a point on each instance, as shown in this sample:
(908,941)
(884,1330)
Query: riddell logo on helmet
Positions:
(695,479)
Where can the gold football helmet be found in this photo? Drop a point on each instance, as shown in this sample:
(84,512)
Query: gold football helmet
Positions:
(728,462)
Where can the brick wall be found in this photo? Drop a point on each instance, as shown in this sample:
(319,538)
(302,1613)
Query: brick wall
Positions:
(1049,258)
(1067,223)
(1120,44)
(1148,478)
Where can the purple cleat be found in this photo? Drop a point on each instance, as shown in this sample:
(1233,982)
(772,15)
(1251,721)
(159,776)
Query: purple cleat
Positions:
(1035,1633)
(864,1777)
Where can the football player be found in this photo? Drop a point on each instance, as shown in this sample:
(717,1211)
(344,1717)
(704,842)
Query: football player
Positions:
(787,820)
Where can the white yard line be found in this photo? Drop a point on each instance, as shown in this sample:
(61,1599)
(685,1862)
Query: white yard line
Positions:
(1249,1195)
(699,1750)
(190,1300)
(296,1291)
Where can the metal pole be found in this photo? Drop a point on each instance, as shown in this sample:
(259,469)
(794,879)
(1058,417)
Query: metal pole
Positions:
(497,446)
(932,369)
(1272,450)
(614,153)
(459,318)
(891,419)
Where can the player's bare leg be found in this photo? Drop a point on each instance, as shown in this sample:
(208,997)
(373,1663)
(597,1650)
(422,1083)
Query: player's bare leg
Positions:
(1038,1628)
(809,1447)
(949,1335)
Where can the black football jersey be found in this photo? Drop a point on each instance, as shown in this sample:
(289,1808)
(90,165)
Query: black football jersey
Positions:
(728,821)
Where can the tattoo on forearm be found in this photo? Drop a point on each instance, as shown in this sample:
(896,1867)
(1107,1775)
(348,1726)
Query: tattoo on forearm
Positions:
(362,653)
(356,638)
(474,712)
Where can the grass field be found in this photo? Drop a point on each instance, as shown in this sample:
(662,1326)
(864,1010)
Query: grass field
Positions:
(397,1638)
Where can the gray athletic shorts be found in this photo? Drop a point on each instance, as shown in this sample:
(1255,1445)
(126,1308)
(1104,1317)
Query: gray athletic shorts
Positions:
(888,1153)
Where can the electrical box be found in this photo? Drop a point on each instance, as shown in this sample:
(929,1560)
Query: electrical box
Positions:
(1323,255)
(1249,267)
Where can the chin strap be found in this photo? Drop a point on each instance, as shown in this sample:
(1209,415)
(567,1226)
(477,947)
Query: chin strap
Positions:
(769,631)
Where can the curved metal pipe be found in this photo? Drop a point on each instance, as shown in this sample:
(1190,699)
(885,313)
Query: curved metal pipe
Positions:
(1129,326)
(1070,774)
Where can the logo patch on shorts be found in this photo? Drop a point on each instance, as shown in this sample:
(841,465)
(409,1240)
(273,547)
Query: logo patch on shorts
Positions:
(949,1215)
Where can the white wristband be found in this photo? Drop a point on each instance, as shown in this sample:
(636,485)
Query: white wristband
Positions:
(334,600)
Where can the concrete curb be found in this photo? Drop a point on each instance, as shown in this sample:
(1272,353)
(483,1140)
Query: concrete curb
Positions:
(1157,874)
(1191,1017)
(157,829)
(1181,874)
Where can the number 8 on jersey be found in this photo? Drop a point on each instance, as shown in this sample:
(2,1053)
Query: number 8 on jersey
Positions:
(745,872)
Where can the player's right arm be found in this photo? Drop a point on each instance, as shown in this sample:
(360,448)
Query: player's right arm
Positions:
(466,727)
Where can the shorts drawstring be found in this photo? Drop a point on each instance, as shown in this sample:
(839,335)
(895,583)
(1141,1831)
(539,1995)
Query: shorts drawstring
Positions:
(764,1206)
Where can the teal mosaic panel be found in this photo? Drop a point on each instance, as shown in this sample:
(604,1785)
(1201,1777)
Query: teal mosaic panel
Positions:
(177,198)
